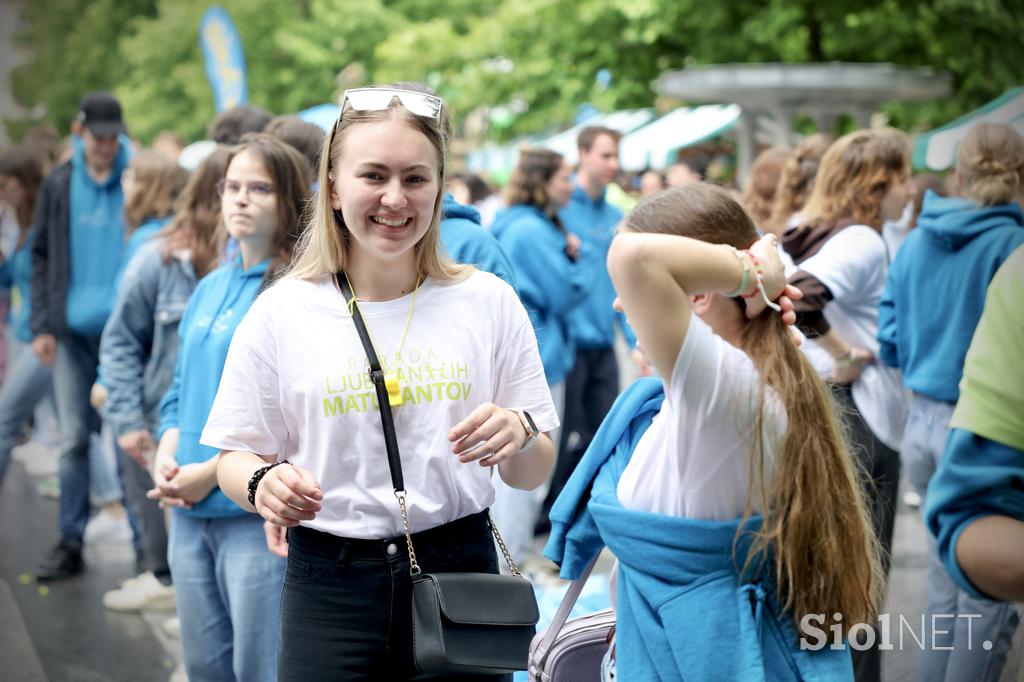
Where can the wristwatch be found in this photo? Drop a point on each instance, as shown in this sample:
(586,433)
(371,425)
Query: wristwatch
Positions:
(531,428)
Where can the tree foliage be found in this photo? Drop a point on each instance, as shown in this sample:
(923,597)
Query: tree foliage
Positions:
(525,65)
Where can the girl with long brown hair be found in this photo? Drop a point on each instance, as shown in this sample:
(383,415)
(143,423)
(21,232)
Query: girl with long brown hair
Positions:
(724,488)
(227,583)
(796,182)
(842,260)
(26,381)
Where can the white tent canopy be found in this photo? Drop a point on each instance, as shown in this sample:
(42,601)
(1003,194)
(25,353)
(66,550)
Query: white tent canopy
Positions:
(936,149)
(656,143)
(623,121)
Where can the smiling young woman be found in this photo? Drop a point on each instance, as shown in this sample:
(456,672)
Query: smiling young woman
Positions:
(463,359)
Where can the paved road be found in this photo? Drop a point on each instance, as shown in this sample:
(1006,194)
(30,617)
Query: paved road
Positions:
(64,633)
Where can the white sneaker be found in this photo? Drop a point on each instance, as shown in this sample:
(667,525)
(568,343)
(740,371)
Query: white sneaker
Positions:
(143,592)
(108,528)
(172,627)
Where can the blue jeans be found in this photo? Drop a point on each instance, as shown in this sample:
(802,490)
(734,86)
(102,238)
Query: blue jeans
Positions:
(958,654)
(74,371)
(228,593)
(27,383)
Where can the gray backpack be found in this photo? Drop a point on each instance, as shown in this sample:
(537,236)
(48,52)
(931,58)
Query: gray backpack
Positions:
(572,651)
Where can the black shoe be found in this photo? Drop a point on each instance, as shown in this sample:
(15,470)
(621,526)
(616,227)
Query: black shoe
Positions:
(64,561)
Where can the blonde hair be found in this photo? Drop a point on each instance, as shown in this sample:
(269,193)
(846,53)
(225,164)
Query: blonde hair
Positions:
(158,182)
(323,248)
(759,195)
(797,180)
(855,174)
(816,534)
(990,161)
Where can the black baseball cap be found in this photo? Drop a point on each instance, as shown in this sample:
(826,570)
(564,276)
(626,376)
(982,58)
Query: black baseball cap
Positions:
(100,112)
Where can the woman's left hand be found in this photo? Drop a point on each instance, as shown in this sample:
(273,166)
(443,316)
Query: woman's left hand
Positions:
(490,434)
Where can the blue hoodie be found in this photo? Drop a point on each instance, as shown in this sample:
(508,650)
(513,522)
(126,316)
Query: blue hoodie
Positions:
(593,221)
(96,233)
(16,273)
(935,293)
(550,285)
(468,242)
(679,591)
(218,304)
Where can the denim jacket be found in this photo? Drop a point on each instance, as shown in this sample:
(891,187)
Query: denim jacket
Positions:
(139,347)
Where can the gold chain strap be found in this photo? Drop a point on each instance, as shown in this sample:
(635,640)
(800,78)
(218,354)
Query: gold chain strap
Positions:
(504,550)
(414,567)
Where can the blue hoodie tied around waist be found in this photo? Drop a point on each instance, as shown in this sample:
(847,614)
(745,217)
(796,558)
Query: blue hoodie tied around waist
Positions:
(550,285)
(679,593)
(935,293)
(466,241)
(592,324)
(218,304)
(96,231)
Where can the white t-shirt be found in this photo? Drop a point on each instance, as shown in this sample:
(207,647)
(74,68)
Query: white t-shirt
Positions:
(694,460)
(296,385)
(853,265)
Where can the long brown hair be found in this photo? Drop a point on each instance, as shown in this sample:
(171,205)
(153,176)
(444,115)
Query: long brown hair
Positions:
(529,180)
(194,225)
(22,163)
(855,174)
(990,162)
(797,180)
(323,249)
(158,181)
(290,173)
(816,534)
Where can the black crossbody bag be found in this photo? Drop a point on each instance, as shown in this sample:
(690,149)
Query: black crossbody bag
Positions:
(469,623)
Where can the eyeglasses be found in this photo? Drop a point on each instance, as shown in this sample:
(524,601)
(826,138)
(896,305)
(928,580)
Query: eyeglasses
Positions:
(379,99)
(255,188)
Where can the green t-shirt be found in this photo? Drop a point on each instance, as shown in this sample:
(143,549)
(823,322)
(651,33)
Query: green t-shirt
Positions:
(992,388)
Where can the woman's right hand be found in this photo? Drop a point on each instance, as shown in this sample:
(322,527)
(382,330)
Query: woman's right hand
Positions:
(288,494)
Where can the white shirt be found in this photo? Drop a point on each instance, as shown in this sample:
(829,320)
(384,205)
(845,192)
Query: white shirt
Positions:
(694,460)
(853,265)
(296,385)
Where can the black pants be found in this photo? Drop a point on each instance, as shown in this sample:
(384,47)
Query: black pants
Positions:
(880,469)
(346,609)
(590,390)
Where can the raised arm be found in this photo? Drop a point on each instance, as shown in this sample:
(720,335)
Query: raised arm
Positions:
(655,276)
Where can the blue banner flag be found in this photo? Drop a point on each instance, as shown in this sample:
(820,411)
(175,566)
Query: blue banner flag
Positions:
(225,62)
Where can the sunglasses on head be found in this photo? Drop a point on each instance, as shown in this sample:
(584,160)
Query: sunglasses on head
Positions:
(379,99)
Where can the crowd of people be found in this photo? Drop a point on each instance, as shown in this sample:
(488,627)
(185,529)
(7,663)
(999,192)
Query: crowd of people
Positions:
(188,340)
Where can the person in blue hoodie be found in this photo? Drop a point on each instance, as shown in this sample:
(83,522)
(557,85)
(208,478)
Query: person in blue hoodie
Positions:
(724,488)
(27,380)
(78,241)
(976,497)
(227,582)
(466,240)
(933,300)
(593,384)
(549,265)
(139,349)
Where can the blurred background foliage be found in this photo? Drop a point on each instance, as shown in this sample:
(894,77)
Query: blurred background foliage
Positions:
(510,67)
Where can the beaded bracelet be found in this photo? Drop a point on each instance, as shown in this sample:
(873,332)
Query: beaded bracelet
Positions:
(746,273)
(760,284)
